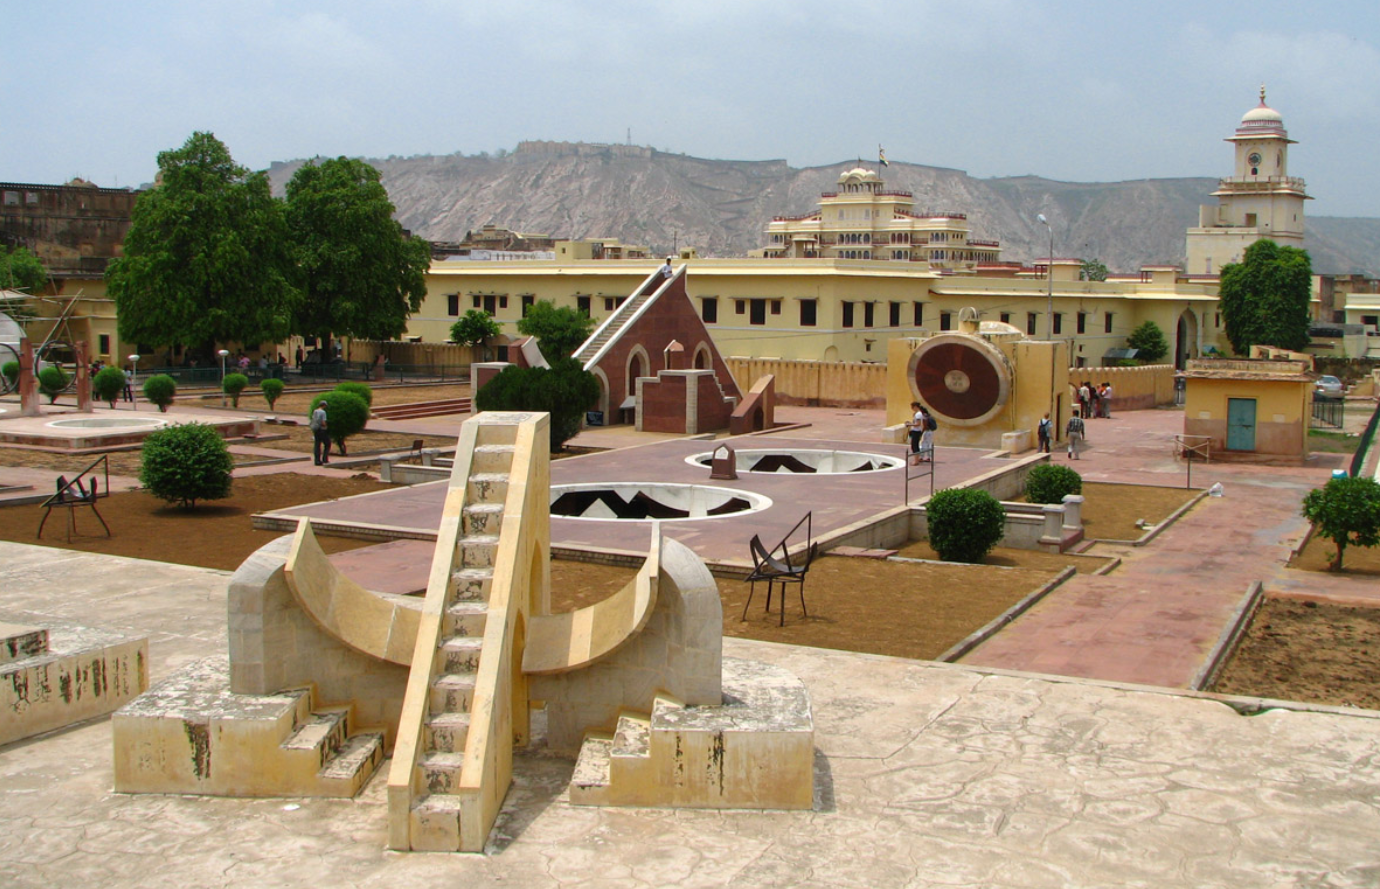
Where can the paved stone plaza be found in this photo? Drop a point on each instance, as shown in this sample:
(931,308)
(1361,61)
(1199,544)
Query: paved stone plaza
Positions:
(926,775)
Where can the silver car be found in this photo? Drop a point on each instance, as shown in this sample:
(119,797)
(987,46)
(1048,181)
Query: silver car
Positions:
(1329,386)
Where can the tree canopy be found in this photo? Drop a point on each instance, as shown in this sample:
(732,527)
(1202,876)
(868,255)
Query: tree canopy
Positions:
(1093,270)
(1264,297)
(473,328)
(1347,512)
(21,270)
(361,275)
(559,331)
(1149,342)
(206,257)
(565,390)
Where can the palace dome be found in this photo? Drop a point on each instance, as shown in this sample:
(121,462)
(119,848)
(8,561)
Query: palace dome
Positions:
(1261,120)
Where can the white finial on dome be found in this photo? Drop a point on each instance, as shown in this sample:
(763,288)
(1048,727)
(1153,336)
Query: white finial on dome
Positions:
(1262,95)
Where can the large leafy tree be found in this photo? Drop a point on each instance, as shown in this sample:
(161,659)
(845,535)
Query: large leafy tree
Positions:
(1265,297)
(559,331)
(361,274)
(1149,342)
(206,258)
(22,272)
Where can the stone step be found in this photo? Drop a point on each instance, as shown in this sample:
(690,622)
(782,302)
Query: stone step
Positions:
(447,732)
(472,584)
(459,654)
(481,518)
(466,617)
(435,823)
(353,764)
(20,641)
(632,736)
(591,778)
(487,487)
(323,731)
(452,692)
(493,459)
(478,551)
(439,772)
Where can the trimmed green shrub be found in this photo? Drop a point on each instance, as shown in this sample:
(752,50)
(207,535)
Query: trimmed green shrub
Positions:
(565,391)
(965,524)
(273,390)
(360,389)
(346,415)
(233,385)
(10,369)
(1050,482)
(186,463)
(159,389)
(51,382)
(108,384)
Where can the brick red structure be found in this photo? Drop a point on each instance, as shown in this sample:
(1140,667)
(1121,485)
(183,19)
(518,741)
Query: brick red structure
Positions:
(657,364)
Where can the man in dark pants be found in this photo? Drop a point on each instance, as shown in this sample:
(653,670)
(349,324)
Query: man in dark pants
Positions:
(321,439)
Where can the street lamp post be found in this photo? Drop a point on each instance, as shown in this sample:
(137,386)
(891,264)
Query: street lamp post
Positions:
(134,382)
(224,354)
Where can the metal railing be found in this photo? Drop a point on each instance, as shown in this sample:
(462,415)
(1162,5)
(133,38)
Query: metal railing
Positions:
(1358,459)
(1329,413)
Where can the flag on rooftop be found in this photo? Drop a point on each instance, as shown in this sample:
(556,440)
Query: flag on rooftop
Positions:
(881,157)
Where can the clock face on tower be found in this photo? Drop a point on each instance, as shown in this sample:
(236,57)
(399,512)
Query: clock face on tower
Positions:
(1254,158)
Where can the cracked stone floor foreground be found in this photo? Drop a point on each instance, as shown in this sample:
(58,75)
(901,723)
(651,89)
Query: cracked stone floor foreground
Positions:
(927,775)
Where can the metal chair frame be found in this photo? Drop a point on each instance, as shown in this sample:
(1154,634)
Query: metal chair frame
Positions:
(774,569)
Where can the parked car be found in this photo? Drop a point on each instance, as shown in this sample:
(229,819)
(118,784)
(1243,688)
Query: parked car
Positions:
(1329,387)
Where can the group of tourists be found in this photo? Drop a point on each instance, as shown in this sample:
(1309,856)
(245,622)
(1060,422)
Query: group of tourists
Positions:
(1095,401)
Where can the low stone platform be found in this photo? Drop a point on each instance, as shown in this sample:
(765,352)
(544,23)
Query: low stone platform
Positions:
(191,734)
(755,751)
(55,674)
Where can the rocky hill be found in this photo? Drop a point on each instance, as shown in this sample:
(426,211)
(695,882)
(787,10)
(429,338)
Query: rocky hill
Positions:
(644,196)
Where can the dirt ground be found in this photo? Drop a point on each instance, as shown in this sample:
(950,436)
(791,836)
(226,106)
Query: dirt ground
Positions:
(1110,511)
(1308,651)
(216,534)
(1319,553)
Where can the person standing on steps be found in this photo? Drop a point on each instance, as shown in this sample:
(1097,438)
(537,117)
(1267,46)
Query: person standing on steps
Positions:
(321,439)
(1075,432)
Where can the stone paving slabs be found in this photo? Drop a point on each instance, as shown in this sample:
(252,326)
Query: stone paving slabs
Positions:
(926,775)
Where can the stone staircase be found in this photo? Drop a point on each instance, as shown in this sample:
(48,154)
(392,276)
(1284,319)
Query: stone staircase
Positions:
(442,776)
(601,337)
(413,410)
(191,734)
(754,751)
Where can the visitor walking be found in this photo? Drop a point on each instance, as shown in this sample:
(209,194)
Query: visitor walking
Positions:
(321,439)
(1075,432)
(927,437)
(916,428)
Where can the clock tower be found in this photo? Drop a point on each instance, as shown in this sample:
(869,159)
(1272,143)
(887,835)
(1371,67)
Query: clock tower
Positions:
(1260,199)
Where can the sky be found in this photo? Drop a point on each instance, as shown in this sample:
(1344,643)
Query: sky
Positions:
(1075,91)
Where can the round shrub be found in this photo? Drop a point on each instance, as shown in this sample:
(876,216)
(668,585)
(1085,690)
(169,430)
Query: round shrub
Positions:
(10,370)
(360,389)
(273,390)
(346,415)
(159,389)
(233,385)
(1050,483)
(186,463)
(51,382)
(108,384)
(965,524)
(566,391)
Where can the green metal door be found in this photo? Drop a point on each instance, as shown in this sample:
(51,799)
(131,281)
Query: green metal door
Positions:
(1241,424)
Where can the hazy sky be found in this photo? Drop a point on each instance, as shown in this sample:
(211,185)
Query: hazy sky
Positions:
(1080,91)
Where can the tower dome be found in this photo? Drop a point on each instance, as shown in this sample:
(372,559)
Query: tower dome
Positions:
(1262,120)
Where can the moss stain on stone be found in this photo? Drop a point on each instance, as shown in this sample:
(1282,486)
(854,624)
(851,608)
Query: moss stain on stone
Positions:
(199,736)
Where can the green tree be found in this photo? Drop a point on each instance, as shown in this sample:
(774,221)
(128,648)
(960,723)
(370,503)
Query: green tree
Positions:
(21,270)
(565,391)
(964,523)
(51,382)
(1092,270)
(1347,512)
(273,390)
(1149,340)
(233,385)
(108,384)
(559,331)
(346,414)
(363,390)
(361,274)
(1264,298)
(474,328)
(206,259)
(186,463)
(160,389)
